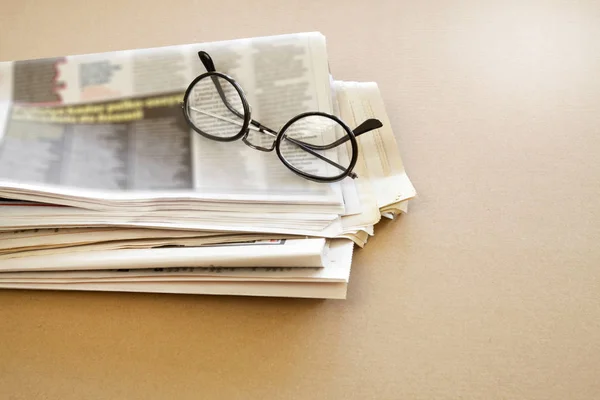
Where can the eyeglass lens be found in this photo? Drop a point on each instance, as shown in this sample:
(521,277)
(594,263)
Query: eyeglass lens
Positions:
(215,107)
(302,142)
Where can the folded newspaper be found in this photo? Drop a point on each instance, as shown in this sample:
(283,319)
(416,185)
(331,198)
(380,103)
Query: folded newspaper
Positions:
(105,187)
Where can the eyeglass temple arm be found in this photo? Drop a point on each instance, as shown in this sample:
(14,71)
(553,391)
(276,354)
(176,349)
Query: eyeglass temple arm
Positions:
(210,67)
(367,126)
(208,63)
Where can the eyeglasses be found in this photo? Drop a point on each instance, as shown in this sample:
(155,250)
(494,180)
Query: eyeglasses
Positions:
(309,144)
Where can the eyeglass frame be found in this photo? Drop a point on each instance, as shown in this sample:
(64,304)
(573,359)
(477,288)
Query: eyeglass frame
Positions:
(367,126)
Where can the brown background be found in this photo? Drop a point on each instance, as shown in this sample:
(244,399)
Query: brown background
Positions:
(488,288)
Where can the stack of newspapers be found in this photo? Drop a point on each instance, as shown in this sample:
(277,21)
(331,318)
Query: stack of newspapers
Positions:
(104,187)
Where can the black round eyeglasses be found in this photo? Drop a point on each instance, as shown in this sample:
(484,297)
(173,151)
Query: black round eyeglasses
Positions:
(215,106)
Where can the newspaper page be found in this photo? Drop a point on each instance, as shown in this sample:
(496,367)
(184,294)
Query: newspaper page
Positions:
(57,241)
(368,214)
(33,239)
(309,290)
(110,125)
(23,217)
(146,244)
(380,149)
(270,253)
(385,188)
(336,268)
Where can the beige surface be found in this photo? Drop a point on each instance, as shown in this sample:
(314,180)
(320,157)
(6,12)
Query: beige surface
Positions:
(489,288)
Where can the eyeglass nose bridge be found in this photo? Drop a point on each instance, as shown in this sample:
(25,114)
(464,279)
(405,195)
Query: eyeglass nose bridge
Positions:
(260,148)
